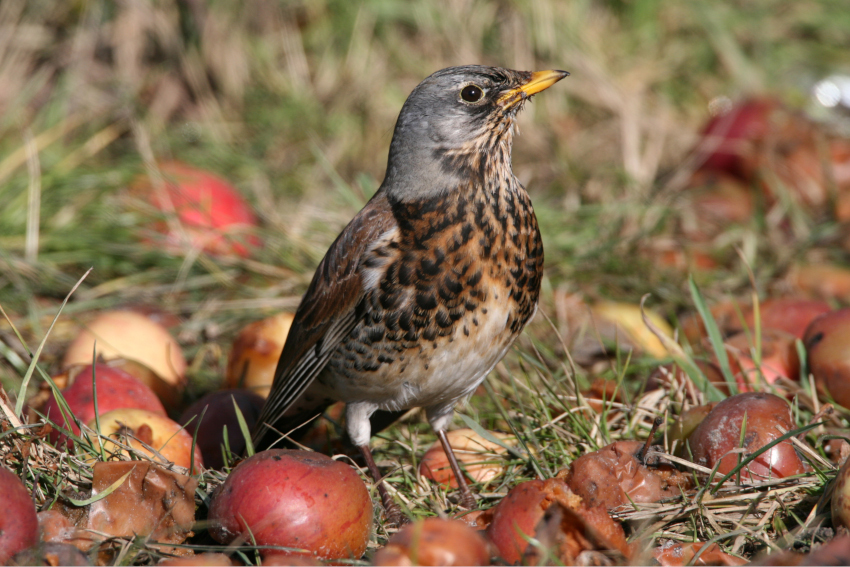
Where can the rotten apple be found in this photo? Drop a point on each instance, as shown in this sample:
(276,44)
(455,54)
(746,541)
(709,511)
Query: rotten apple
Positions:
(620,473)
(149,433)
(481,459)
(253,358)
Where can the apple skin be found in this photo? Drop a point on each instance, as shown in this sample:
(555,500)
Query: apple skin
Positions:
(519,512)
(127,334)
(115,389)
(18,522)
(826,341)
(435,541)
(720,432)
(158,431)
(730,140)
(256,350)
(478,456)
(219,413)
(296,499)
(215,216)
(779,358)
(614,475)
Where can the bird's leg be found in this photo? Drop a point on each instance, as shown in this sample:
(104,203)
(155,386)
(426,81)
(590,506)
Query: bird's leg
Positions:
(393,511)
(466,497)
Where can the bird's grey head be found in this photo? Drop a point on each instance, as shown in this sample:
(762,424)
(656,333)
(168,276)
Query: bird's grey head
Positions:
(452,122)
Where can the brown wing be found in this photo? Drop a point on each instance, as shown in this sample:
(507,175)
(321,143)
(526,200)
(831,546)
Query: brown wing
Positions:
(326,313)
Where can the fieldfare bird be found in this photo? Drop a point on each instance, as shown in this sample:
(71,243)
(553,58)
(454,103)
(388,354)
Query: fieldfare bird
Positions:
(432,281)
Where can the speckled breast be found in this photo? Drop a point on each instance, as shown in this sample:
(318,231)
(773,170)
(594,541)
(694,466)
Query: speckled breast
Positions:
(448,292)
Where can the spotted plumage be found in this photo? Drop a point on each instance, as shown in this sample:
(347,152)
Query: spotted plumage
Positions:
(430,284)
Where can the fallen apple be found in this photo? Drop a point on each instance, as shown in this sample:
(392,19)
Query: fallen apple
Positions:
(731,139)
(434,541)
(212,214)
(826,341)
(840,503)
(767,417)
(129,335)
(155,435)
(481,459)
(294,499)
(256,350)
(778,358)
(219,413)
(18,522)
(115,389)
(522,513)
(619,473)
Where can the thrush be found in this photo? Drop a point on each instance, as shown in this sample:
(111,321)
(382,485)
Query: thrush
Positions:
(424,291)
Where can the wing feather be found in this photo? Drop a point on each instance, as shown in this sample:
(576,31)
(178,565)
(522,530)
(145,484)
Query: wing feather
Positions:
(326,314)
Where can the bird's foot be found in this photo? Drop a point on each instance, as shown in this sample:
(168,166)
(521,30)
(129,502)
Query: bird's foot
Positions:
(395,516)
(467,500)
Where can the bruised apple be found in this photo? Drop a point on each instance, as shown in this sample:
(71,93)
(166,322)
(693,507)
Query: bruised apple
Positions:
(618,474)
(115,389)
(219,413)
(256,350)
(720,432)
(18,521)
(435,541)
(550,512)
(297,499)
(138,427)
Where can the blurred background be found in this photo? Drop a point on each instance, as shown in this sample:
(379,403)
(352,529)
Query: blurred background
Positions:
(293,103)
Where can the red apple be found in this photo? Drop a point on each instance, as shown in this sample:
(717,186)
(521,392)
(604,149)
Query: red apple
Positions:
(829,356)
(220,413)
(516,516)
(18,522)
(778,358)
(789,314)
(549,511)
(115,389)
(294,499)
(213,214)
(730,140)
(720,432)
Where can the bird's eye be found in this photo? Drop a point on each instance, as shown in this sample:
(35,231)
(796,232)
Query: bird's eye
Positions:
(471,93)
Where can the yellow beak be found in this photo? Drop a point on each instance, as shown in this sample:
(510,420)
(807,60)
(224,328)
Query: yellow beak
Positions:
(540,81)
